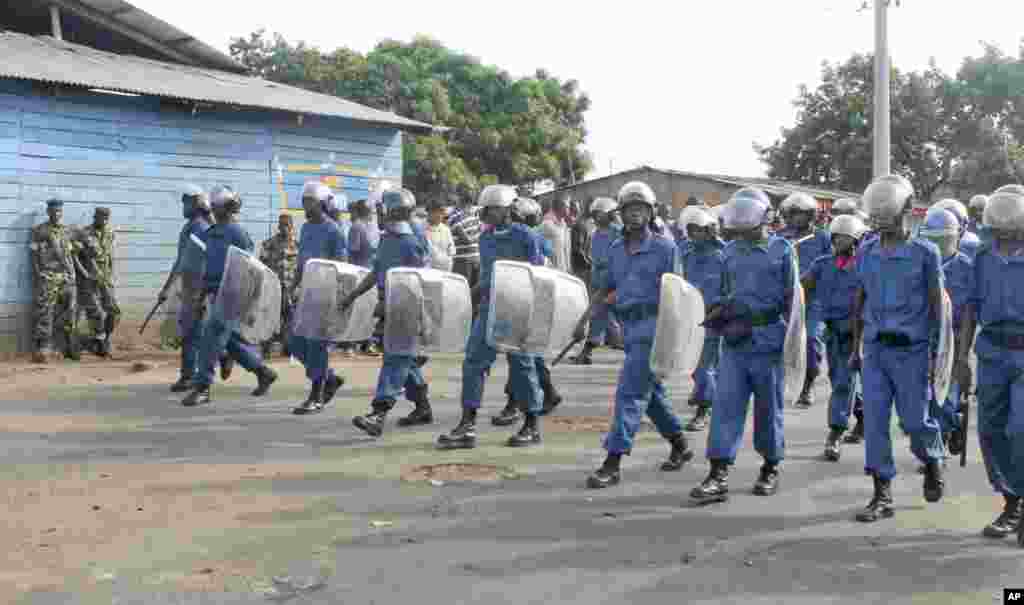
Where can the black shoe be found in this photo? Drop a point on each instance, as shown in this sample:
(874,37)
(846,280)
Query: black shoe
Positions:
(603,477)
(265,377)
(373,423)
(313,403)
(804,401)
(421,415)
(857,434)
(198,396)
(582,360)
(957,441)
(508,416)
(1007,522)
(880,506)
(921,467)
(700,421)
(933,483)
(462,436)
(715,487)
(768,481)
(183,384)
(679,455)
(832,444)
(528,435)
(331,387)
(227,364)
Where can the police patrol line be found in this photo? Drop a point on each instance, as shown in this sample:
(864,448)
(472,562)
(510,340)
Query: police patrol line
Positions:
(749,313)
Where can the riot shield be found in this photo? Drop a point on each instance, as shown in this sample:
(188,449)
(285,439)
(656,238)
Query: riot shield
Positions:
(794,349)
(533,309)
(426,311)
(943,363)
(324,284)
(678,336)
(249,294)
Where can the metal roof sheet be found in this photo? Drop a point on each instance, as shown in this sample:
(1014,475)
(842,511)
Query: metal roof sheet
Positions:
(45,59)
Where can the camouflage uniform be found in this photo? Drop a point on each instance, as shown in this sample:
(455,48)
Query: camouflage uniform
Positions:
(280,255)
(95,250)
(53,280)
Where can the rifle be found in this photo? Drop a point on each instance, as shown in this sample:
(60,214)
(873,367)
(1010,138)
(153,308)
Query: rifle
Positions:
(150,316)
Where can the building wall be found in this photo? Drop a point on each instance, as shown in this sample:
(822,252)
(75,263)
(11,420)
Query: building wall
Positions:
(133,154)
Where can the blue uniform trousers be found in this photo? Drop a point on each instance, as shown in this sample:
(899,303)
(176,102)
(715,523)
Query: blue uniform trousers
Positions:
(191,325)
(742,374)
(480,357)
(313,356)
(599,323)
(815,343)
(705,385)
(639,392)
(900,375)
(399,373)
(1001,419)
(946,414)
(838,346)
(220,336)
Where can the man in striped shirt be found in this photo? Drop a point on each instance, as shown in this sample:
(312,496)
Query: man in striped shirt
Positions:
(465,226)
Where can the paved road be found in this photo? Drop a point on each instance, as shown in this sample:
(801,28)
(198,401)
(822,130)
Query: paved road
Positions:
(117,494)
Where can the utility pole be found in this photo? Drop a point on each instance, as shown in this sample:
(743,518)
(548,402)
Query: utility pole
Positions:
(880,125)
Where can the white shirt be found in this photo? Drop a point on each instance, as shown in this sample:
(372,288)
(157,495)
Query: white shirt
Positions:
(440,238)
(557,232)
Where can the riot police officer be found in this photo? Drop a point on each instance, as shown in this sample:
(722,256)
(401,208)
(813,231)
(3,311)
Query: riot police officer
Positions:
(968,242)
(603,210)
(845,206)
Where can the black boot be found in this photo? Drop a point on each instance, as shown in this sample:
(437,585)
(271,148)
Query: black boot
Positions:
(933,483)
(857,434)
(373,423)
(584,358)
(700,421)
(184,383)
(880,506)
(462,436)
(768,481)
(227,365)
(832,443)
(957,440)
(265,377)
(1007,522)
(331,386)
(552,399)
(607,475)
(804,401)
(509,415)
(715,487)
(528,435)
(200,395)
(314,403)
(679,455)
(422,414)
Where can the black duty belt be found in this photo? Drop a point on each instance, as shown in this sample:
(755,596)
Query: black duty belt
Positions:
(894,339)
(638,312)
(1005,340)
(760,320)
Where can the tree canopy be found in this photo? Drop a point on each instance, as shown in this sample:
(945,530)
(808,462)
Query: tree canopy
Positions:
(962,132)
(517,131)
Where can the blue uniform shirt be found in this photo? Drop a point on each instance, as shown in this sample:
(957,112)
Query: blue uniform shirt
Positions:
(635,277)
(702,266)
(834,288)
(514,242)
(969,244)
(810,248)
(323,240)
(896,284)
(957,273)
(600,250)
(761,278)
(197,226)
(400,246)
(363,240)
(218,238)
(996,292)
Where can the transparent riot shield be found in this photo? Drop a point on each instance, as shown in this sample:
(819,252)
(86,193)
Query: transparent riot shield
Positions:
(678,336)
(324,284)
(426,311)
(533,309)
(943,363)
(794,349)
(249,294)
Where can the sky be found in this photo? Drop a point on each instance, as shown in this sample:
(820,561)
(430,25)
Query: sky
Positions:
(687,86)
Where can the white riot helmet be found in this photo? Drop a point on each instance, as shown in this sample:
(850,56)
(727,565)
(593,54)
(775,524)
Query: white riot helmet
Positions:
(637,192)
(845,206)
(798,202)
(887,198)
(846,224)
(498,196)
(942,228)
(526,210)
(604,205)
(316,190)
(747,209)
(339,201)
(223,196)
(956,207)
(978,202)
(1018,189)
(697,216)
(398,199)
(1005,211)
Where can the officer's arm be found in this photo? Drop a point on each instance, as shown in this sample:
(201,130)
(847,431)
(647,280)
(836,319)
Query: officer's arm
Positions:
(856,319)
(364,286)
(808,281)
(965,338)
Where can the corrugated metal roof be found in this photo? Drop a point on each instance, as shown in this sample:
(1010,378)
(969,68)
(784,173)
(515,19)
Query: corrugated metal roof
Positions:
(45,59)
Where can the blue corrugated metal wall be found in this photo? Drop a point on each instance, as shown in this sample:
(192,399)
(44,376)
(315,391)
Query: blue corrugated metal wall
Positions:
(133,154)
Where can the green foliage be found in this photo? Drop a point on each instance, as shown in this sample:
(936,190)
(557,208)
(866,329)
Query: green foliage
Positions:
(516,131)
(963,132)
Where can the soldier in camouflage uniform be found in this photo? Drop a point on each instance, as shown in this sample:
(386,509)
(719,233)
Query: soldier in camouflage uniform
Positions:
(53,280)
(280,253)
(94,246)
